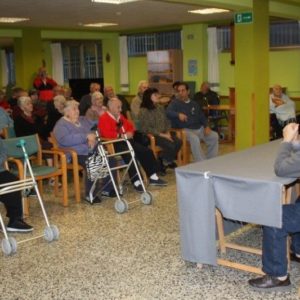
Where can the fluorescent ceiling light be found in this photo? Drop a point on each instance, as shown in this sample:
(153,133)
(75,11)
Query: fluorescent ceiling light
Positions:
(100,24)
(12,20)
(208,11)
(114,1)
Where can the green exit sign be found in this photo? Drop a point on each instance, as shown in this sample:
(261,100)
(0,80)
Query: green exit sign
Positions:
(242,18)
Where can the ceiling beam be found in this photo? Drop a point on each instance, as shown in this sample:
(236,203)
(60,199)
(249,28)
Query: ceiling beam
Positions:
(289,9)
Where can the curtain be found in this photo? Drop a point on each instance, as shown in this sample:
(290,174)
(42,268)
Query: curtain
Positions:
(124,81)
(4,69)
(213,59)
(57,63)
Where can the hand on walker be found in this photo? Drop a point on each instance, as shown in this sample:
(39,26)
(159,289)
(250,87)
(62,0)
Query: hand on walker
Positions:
(290,132)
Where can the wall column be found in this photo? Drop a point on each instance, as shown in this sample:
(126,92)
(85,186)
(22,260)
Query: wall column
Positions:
(252,78)
(28,57)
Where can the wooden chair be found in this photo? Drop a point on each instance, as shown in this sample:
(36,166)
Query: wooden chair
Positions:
(40,171)
(156,149)
(73,165)
(185,151)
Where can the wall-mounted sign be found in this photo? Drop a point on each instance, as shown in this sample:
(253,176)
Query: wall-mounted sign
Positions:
(192,67)
(243,18)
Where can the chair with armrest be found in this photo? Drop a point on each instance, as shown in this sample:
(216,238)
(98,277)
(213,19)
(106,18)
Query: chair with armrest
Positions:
(156,149)
(185,151)
(40,170)
(73,165)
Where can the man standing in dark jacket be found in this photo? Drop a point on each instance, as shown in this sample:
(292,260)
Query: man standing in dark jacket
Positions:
(274,257)
(187,114)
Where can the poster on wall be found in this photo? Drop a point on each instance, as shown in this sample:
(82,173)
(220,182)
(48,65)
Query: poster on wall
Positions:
(192,67)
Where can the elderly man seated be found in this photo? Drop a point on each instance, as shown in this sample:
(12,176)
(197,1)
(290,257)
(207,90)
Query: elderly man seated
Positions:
(111,125)
(282,110)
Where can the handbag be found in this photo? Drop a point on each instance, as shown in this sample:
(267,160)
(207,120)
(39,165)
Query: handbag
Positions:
(96,166)
(141,138)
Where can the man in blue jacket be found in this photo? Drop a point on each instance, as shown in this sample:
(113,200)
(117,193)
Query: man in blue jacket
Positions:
(186,113)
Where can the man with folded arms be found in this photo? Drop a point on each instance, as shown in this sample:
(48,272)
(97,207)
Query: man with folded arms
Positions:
(274,257)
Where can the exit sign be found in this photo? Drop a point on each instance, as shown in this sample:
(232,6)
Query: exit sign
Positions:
(242,18)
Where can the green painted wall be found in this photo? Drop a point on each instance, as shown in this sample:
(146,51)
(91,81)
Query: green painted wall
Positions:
(226,73)
(137,67)
(194,44)
(111,62)
(284,68)
(252,78)
(28,57)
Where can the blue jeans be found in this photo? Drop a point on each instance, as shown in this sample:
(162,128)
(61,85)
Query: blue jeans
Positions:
(274,258)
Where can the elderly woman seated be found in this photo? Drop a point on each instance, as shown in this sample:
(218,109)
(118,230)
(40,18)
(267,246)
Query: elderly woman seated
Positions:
(28,123)
(74,131)
(96,109)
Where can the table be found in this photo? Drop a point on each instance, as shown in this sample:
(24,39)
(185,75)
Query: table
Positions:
(230,114)
(242,185)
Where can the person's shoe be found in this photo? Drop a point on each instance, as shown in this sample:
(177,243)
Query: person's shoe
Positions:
(52,182)
(157,182)
(138,188)
(110,194)
(30,193)
(96,200)
(270,283)
(18,225)
(172,165)
(295,258)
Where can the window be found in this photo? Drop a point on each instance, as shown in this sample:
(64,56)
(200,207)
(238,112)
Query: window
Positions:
(139,44)
(10,61)
(281,35)
(82,60)
(285,34)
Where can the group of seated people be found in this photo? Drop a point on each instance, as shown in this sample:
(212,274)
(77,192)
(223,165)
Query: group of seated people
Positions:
(44,111)
(71,123)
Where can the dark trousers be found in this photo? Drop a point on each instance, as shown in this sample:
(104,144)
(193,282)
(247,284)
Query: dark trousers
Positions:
(274,256)
(143,154)
(278,126)
(11,201)
(169,149)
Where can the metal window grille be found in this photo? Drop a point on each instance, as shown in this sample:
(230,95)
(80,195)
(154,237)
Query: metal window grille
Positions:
(82,60)
(139,44)
(281,35)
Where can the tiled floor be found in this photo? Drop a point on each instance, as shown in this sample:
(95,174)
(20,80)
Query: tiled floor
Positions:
(136,255)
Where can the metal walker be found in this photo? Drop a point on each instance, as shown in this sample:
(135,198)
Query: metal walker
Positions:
(51,232)
(121,205)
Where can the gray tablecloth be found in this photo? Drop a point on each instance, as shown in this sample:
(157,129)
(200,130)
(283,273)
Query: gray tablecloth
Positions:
(242,185)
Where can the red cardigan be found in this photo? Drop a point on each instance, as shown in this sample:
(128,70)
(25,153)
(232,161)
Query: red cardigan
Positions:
(107,126)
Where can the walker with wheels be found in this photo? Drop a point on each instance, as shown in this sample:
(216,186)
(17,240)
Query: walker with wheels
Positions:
(51,232)
(104,169)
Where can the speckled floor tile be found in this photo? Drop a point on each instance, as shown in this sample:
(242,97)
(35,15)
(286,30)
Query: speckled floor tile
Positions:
(136,255)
